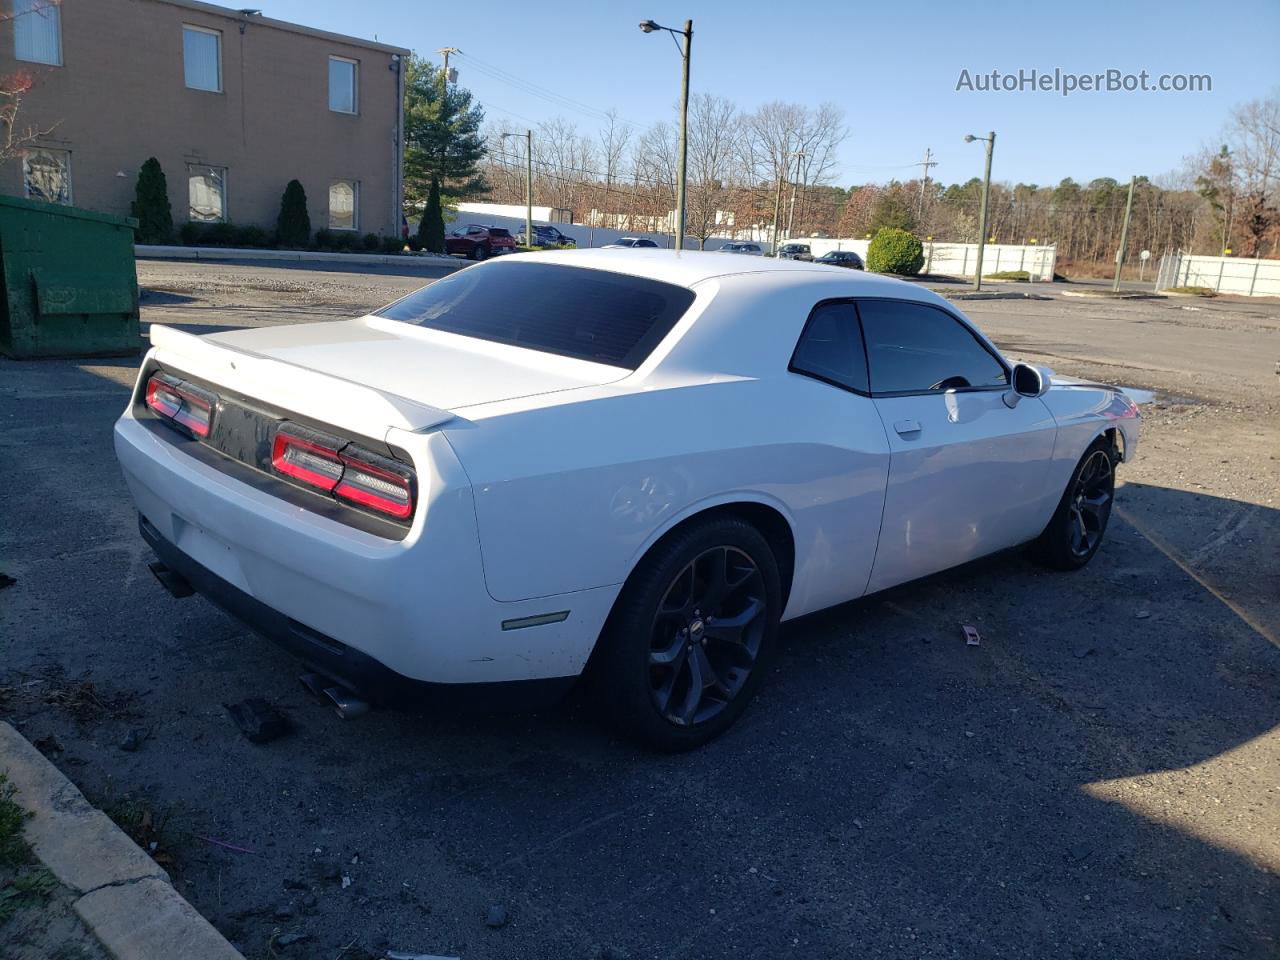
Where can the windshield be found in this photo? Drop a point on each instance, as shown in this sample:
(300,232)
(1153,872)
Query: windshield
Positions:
(571,311)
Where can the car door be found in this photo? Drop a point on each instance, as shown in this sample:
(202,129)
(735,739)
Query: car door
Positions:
(968,474)
(847,506)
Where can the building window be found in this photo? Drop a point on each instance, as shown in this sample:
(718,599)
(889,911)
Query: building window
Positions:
(207,191)
(342,85)
(46,175)
(343,197)
(37,31)
(202,58)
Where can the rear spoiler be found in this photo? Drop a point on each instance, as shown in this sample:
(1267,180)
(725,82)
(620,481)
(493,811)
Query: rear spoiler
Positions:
(322,396)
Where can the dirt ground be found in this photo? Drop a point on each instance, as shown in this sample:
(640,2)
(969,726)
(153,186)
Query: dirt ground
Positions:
(1097,779)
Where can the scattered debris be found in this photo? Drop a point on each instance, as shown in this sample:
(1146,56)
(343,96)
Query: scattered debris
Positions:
(258,720)
(224,844)
(496,917)
(48,744)
(133,740)
(971,638)
(346,881)
(7,581)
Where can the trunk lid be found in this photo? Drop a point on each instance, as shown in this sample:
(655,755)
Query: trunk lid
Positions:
(423,368)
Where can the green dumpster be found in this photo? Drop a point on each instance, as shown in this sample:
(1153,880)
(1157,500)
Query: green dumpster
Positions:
(68,282)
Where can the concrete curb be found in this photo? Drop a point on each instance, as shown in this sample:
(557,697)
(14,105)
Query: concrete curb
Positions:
(995,296)
(1109,295)
(126,899)
(161,252)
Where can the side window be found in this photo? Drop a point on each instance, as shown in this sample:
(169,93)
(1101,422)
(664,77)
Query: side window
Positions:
(915,348)
(830,347)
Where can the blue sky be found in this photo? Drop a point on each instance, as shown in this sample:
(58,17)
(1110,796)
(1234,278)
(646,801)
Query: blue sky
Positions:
(892,66)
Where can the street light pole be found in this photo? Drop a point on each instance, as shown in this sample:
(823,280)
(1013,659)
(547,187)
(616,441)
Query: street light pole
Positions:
(990,139)
(648,26)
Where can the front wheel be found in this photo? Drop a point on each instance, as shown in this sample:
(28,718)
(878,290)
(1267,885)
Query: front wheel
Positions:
(685,645)
(1075,533)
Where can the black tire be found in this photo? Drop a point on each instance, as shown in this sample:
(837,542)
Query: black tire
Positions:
(1076,531)
(636,662)
(479,252)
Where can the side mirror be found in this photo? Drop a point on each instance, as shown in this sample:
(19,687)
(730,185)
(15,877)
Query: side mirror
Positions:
(1027,381)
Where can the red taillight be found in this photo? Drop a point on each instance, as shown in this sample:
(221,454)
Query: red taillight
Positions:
(346,470)
(181,403)
(376,487)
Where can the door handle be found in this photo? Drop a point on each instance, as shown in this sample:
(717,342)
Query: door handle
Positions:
(907,428)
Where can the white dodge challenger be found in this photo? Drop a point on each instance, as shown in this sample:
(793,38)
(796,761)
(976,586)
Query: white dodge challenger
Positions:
(623,465)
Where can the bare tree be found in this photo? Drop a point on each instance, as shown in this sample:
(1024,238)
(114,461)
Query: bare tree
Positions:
(13,89)
(613,141)
(713,147)
(1254,130)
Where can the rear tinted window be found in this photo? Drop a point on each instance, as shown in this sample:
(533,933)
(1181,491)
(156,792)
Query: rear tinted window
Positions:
(571,311)
(499,232)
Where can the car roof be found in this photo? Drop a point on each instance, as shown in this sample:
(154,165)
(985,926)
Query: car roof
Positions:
(686,268)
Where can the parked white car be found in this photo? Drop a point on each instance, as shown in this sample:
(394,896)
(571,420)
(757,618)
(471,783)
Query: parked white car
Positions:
(631,465)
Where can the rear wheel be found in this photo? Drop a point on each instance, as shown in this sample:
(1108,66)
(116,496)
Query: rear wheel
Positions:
(480,252)
(1075,533)
(684,647)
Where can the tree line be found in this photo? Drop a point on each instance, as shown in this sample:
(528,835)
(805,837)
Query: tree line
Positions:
(751,170)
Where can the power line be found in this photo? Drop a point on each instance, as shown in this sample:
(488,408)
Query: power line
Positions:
(526,86)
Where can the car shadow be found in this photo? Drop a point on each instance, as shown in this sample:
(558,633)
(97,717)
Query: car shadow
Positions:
(1090,781)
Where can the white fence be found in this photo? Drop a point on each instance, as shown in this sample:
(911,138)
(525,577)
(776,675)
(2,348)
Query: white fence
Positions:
(1250,278)
(953,259)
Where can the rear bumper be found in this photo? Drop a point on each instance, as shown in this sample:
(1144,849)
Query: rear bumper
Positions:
(416,609)
(359,672)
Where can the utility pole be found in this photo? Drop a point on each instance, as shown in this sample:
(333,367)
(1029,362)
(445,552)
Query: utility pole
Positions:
(777,209)
(990,139)
(927,162)
(791,215)
(1124,234)
(444,52)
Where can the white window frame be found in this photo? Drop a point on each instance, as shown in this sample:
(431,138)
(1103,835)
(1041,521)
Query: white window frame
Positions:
(355,85)
(192,166)
(66,155)
(38,8)
(355,204)
(217,36)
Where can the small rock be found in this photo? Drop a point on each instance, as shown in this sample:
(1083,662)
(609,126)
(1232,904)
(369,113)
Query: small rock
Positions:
(496,917)
(346,881)
(289,939)
(1142,614)
(48,745)
(133,740)
(1083,650)
(968,733)
(283,912)
(309,900)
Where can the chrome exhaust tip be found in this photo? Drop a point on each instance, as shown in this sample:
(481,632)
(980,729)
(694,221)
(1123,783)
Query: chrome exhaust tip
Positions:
(346,704)
(171,580)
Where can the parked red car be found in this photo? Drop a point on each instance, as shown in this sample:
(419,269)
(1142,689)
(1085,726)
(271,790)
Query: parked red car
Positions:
(480,242)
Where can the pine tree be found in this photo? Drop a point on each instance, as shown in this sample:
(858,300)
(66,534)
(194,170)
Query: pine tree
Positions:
(293,226)
(431,229)
(443,143)
(151,208)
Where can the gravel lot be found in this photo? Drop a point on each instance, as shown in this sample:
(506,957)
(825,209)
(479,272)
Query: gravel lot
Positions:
(1097,779)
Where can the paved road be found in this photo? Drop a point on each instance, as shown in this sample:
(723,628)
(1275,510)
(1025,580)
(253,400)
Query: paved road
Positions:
(1097,779)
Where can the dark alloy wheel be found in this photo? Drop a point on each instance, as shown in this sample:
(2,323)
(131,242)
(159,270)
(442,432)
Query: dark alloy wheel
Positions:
(706,635)
(686,642)
(1091,503)
(1076,530)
